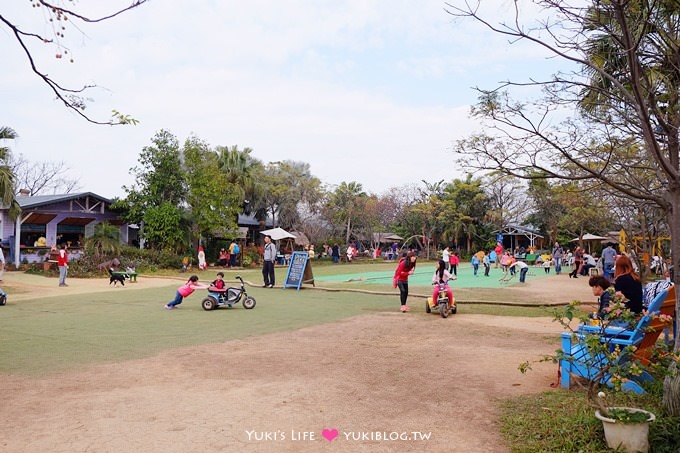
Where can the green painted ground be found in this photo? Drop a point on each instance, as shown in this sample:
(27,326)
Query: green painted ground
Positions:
(424,273)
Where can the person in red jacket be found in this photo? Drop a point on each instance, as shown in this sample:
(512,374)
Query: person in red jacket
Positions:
(62,263)
(406,267)
(499,253)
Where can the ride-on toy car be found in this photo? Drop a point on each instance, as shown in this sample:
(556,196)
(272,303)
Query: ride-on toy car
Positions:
(228,297)
(442,303)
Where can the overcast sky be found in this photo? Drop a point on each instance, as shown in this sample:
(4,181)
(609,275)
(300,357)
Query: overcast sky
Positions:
(370,91)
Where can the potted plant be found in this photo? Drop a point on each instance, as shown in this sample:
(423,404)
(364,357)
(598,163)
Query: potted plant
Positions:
(626,428)
(603,351)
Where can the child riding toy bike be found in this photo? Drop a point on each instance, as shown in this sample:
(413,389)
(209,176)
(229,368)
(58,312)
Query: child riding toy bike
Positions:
(442,297)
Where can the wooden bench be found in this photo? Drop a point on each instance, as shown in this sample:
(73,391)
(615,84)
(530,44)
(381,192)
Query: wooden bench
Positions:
(656,326)
(581,363)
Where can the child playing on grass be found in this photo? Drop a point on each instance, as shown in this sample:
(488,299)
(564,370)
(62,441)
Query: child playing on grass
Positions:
(547,264)
(185,290)
(219,281)
(475,264)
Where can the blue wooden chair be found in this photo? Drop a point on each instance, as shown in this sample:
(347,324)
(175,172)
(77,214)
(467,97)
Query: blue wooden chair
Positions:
(580,362)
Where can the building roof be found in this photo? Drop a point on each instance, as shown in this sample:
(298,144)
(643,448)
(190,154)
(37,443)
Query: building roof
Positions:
(29,202)
(244,219)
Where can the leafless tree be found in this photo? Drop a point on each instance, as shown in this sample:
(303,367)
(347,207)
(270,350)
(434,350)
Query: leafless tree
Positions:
(41,178)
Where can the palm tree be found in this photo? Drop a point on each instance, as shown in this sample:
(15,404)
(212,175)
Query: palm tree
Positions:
(105,241)
(345,198)
(240,168)
(7,194)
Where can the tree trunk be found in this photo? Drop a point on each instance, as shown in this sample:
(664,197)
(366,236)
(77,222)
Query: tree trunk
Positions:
(671,385)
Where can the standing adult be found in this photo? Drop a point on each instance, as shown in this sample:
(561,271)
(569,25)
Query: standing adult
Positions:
(557,254)
(499,253)
(62,263)
(523,269)
(628,283)
(335,253)
(2,264)
(406,267)
(578,259)
(608,260)
(268,262)
(232,254)
(446,256)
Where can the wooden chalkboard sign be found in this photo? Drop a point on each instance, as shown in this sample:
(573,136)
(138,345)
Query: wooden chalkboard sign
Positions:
(299,271)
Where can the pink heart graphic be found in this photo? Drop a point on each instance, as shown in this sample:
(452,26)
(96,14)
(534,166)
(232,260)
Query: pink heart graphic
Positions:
(329,434)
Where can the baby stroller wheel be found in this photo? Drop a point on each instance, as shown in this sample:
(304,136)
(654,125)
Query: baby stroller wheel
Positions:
(3,299)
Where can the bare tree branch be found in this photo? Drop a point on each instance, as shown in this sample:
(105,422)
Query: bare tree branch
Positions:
(70,97)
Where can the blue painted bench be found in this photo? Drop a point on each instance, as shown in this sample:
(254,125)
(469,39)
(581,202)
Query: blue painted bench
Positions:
(581,363)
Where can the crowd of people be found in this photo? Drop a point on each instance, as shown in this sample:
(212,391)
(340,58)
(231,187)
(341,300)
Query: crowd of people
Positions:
(613,269)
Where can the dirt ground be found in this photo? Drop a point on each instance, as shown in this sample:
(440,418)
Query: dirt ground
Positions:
(386,382)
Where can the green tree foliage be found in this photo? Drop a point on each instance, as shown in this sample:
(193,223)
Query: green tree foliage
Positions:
(284,185)
(240,169)
(463,213)
(164,228)
(214,204)
(159,178)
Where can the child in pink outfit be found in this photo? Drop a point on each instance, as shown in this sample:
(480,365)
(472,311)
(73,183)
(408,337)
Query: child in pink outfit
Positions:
(441,275)
(183,291)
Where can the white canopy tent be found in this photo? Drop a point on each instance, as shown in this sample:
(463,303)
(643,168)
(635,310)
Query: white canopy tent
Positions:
(277,234)
(589,239)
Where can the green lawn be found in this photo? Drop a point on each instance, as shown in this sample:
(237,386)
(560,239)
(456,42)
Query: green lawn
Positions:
(60,333)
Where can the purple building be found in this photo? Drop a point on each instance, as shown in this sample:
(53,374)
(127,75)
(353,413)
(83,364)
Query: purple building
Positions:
(59,219)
